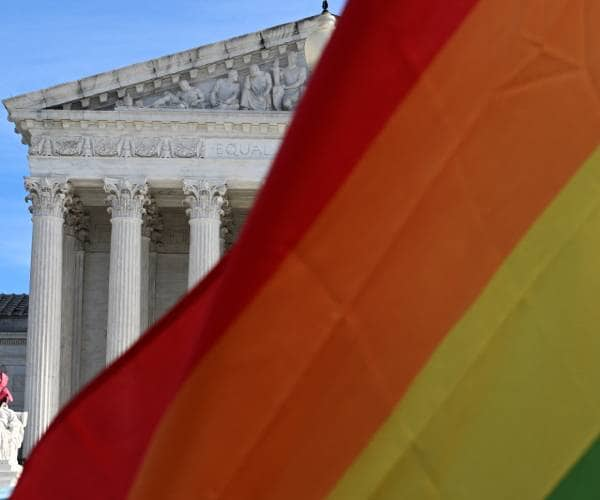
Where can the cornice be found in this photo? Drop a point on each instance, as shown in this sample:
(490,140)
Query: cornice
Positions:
(179,125)
(27,119)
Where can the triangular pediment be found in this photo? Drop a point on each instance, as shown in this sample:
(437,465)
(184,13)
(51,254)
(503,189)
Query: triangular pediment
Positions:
(259,71)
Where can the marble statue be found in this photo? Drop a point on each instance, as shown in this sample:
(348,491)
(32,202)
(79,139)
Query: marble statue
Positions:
(288,83)
(11,435)
(256,94)
(226,92)
(187,97)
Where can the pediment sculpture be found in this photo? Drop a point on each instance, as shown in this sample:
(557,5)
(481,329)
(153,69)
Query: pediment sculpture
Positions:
(226,92)
(263,89)
(289,83)
(258,88)
(187,97)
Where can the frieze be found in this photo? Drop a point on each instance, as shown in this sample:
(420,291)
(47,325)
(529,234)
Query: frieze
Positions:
(123,147)
(68,146)
(154,147)
(241,149)
(107,146)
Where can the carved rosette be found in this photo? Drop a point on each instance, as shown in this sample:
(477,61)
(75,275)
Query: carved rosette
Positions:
(49,196)
(126,198)
(204,199)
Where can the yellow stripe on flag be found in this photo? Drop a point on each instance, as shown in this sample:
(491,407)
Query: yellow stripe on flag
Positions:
(514,383)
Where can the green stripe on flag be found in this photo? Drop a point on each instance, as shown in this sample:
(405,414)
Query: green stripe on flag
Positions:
(582,482)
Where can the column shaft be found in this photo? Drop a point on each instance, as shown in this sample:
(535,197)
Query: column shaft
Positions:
(152,304)
(76,235)
(127,200)
(145,286)
(205,248)
(124,289)
(70,245)
(205,202)
(77,321)
(45,303)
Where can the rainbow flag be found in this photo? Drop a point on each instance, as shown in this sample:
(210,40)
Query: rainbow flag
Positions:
(413,309)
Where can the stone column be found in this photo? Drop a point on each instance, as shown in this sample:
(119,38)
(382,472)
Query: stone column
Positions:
(151,231)
(152,282)
(145,280)
(48,196)
(127,199)
(205,207)
(77,319)
(70,246)
(80,222)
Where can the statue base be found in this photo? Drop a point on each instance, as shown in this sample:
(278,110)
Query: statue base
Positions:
(9,474)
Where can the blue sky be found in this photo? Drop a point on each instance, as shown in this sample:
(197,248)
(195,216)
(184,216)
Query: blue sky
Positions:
(45,43)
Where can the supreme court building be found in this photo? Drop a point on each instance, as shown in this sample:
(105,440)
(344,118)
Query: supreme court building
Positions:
(140,178)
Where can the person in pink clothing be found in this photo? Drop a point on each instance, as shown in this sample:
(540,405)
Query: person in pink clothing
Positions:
(5,395)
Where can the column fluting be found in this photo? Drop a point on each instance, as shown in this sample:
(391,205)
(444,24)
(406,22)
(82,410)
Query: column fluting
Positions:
(70,245)
(205,201)
(77,321)
(145,283)
(48,196)
(151,233)
(127,200)
(76,235)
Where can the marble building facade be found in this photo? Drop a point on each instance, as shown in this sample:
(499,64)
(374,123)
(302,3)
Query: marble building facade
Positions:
(140,178)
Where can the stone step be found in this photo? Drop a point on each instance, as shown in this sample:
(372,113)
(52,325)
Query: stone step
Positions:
(7,481)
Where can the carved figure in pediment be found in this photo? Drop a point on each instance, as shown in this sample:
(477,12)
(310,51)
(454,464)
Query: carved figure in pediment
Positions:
(187,97)
(289,83)
(256,94)
(226,92)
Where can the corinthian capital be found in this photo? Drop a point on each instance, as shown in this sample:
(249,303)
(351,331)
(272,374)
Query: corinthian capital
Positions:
(126,198)
(49,196)
(204,199)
